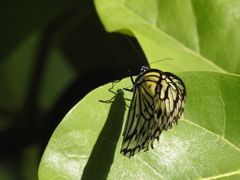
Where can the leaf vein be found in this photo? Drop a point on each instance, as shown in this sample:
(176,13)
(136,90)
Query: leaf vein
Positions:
(220,137)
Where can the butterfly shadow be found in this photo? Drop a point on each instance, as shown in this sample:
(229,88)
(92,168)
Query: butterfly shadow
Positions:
(102,155)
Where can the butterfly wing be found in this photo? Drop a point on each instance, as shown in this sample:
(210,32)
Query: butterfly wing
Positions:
(157,104)
(137,129)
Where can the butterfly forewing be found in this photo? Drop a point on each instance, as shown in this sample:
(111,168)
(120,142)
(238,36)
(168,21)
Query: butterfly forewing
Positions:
(157,104)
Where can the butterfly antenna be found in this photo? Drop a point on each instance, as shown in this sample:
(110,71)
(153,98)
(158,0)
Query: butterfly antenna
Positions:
(161,60)
(134,47)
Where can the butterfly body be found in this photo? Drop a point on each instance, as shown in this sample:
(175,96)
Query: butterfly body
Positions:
(157,105)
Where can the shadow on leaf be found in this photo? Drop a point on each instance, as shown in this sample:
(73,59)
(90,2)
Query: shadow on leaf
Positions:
(102,155)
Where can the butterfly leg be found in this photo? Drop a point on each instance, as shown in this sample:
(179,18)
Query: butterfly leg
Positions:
(130,90)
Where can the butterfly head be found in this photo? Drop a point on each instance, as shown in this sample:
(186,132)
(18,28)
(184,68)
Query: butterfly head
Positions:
(143,69)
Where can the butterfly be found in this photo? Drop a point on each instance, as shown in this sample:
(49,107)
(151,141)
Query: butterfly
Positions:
(157,104)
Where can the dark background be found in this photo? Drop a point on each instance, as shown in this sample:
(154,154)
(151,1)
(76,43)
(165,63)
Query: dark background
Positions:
(94,56)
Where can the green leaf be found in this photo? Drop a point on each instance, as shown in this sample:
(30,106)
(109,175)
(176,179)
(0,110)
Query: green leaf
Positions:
(198,35)
(206,142)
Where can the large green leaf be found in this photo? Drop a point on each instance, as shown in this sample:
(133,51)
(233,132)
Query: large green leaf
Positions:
(195,33)
(206,143)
